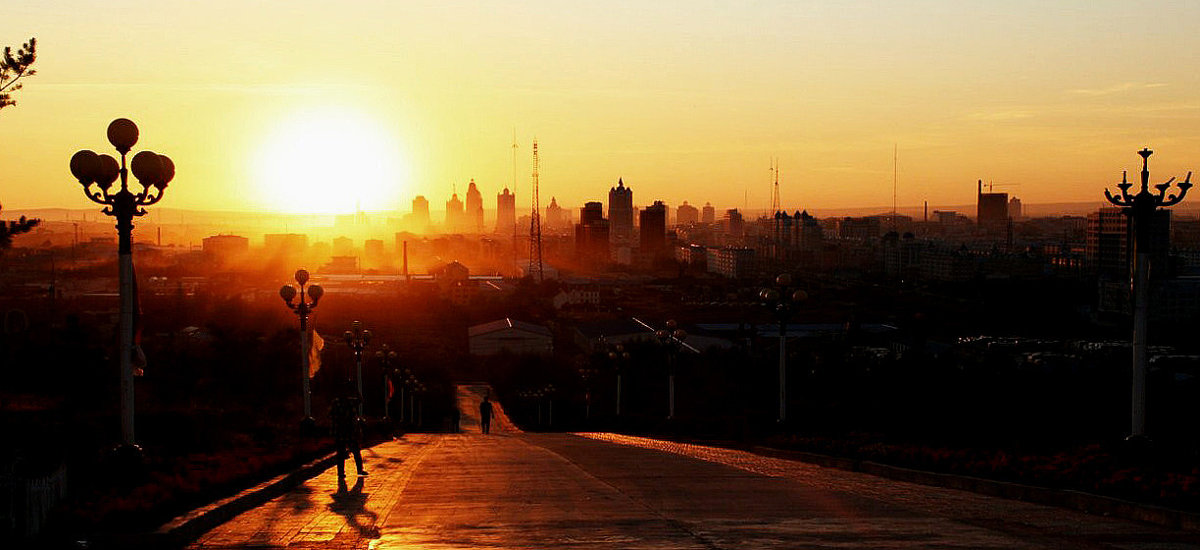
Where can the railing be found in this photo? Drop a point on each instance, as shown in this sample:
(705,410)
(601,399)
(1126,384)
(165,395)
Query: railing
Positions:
(25,502)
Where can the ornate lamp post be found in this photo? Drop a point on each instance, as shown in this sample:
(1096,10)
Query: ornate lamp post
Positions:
(303,309)
(386,357)
(153,172)
(1141,210)
(620,358)
(357,338)
(672,340)
(782,302)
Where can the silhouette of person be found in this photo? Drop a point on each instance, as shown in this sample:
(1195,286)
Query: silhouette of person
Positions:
(347,431)
(485,415)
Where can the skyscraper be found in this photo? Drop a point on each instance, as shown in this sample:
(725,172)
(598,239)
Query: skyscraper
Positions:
(620,212)
(556,218)
(686,214)
(506,212)
(474,208)
(454,214)
(592,235)
(708,214)
(653,226)
(420,212)
(991,208)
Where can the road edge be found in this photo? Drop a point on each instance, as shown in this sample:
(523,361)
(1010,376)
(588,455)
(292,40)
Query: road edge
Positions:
(1061,498)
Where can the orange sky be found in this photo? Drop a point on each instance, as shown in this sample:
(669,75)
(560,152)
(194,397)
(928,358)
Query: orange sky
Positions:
(685,100)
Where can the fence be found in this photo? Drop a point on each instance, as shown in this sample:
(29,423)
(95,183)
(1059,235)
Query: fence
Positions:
(25,502)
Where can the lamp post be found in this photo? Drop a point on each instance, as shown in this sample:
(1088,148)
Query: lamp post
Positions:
(672,340)
(303,309)
(619,357)
(153,172)
(782,302)
(386,357)
(585,374)
(1141,209)
(357,338)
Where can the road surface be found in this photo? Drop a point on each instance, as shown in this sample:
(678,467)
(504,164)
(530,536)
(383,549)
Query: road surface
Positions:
(521,490)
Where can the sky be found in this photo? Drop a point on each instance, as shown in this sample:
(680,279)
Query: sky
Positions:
(307,106)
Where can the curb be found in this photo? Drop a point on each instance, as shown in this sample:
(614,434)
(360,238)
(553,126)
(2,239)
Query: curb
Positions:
(1062,498)
(187,527)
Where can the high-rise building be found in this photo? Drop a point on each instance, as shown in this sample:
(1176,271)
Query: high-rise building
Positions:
(686,214)
(991,208)
(592,235)
(652,221)
(556,218)
(506,212)
(454,214)
(620,212)
(420,212)
(1107,242)
(708,214)
(474,208)
(1014,208)
(735,226)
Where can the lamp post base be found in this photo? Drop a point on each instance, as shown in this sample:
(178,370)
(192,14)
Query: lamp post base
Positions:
(308,426)
(127,462)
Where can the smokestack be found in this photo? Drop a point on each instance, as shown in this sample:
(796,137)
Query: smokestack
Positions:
(405,260)
(926,211)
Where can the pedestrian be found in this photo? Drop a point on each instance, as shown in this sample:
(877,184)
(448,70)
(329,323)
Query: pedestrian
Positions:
(347,431)
(485,414)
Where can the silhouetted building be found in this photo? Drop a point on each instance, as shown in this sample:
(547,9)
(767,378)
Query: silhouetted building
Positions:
(735,226)
(1014,209)
(556,216)
(686,214)
(343,246)
(1107,242)
(862,229)
(506,213)
(474,208)
(285,244)
(991,208)
(225,246)
(653,229)
(592,235)
(732,262)
(420,212)
(708,214)
(620,212)
(510,336)
(455,220)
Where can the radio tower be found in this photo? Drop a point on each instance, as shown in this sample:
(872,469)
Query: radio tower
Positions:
(775,190)
(775,213)
(535,225)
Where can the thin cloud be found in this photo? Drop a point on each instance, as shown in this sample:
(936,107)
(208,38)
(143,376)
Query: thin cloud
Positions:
(1118,88)
(993,116)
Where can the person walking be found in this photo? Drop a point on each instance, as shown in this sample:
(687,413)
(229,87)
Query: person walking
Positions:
(347,430)
(485,414)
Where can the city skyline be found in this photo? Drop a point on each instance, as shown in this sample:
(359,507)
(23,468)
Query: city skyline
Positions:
(1008,94)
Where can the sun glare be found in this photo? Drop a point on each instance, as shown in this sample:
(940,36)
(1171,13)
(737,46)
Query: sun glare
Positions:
(329,162)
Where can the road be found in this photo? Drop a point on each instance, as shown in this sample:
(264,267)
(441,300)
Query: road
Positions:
(521,490)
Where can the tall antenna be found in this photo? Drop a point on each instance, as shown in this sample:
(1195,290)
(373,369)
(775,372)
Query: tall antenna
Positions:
(775,190)
(514,152)
(895,171)
(535,224)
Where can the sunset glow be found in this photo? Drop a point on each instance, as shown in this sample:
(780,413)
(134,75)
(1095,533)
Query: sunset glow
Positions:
(329,162)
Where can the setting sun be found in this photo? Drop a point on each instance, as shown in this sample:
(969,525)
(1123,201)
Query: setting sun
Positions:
(329,162)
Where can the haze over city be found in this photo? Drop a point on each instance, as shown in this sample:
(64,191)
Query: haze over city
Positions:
(313,107)
(614,274)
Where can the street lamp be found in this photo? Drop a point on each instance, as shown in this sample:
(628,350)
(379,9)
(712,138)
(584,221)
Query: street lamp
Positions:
(385,357)
(357,338)
(153,172)
(619,358)
(782,302)
(586,373)
(303,309)
(1141,210)
(672,340)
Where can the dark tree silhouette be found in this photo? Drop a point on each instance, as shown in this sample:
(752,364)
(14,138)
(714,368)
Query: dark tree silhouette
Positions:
(10,229)
(15,67)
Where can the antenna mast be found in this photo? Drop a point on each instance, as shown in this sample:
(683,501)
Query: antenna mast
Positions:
(775,191)
(895,171)
(535,225)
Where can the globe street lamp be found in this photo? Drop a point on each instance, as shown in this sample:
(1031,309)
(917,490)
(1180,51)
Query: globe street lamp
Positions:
(153,172)
(357,338)
(672,340)
(386,357)
(782,301)
(1142,210)
(586,373)
(619,358)
(303,309)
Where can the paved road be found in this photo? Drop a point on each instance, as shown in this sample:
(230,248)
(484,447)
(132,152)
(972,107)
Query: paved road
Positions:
(516,490)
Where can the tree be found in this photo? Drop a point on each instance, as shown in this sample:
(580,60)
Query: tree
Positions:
(14,67)
(8,230)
